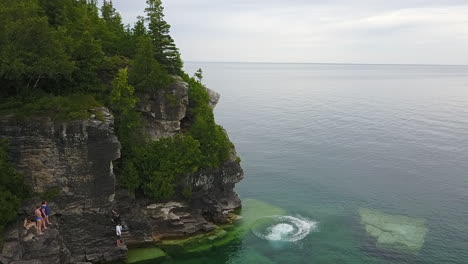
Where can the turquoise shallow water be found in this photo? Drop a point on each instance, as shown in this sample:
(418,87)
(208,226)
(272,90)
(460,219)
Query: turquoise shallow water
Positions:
(322,141)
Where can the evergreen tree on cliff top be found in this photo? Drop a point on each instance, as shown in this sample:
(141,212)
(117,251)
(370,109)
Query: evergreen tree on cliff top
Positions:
(30,51)
(165,49)
(147,74)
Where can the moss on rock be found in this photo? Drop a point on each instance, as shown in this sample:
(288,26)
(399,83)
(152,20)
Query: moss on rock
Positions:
(252,211)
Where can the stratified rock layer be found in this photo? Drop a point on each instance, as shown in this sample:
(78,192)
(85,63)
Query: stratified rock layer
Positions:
(74,158)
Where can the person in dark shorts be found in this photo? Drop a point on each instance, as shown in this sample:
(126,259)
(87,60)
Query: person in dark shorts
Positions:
(45,212)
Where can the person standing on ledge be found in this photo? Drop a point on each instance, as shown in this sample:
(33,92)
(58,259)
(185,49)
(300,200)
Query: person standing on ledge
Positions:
(118,232)
(46,212)
(38,215)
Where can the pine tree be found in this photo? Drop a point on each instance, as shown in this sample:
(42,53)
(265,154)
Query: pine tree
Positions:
(56,11)
(147,74)
(139,29)
(166,51)
(88,56)
(199,75)
(112,31)
(122,95)
(30,50)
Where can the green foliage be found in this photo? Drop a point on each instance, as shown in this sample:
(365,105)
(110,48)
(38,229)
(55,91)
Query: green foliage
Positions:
(59,108)
(139,30)
(155,167)
(58,56)
(122,95)
(152,167)
(187,192)
(115,38)
(215,145)
(123,102)
(165,49)
(147,74)
(130,175)
(12,188)
(67,46)
(199,75)
(89,58)
(30,50)
(9,205)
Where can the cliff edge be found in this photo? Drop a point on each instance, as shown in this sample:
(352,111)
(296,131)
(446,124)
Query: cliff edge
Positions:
(75,160)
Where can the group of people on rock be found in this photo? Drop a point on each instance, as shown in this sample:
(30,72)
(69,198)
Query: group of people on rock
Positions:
(41,221)
(41,218)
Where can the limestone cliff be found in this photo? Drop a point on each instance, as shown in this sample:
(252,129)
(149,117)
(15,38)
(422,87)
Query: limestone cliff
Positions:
(163,110)
(77,157)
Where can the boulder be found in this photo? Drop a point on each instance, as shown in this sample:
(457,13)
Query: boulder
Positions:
(164,109)
(214,97)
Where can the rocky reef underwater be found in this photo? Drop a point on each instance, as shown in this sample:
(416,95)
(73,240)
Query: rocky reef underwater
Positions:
(394,231)
(270,223)
(265,221)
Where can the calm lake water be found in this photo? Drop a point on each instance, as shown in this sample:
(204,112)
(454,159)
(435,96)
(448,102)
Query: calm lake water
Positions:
(322,141)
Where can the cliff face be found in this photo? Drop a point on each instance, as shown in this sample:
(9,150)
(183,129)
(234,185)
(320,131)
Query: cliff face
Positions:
(69,156)
(76,159)
(163,110)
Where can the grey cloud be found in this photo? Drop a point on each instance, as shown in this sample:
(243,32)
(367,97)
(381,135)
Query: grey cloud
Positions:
(316,31)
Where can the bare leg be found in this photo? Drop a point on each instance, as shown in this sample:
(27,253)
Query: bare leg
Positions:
(44,227)
(39,226)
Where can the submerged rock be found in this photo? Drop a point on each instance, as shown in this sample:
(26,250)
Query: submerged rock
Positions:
(394,231)
(252,211)
(251,256)
(141,255)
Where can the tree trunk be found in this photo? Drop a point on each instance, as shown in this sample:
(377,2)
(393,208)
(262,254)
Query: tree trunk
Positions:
(37,82)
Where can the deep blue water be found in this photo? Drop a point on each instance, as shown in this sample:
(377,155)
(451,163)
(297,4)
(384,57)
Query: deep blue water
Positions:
(322,141)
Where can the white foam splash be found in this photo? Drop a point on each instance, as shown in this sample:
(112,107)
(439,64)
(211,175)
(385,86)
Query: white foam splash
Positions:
(279,231)
(284,228)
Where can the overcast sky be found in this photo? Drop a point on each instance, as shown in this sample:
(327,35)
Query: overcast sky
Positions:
(322,31)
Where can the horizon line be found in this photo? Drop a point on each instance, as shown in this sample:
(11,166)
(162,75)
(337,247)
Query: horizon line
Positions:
(329,63)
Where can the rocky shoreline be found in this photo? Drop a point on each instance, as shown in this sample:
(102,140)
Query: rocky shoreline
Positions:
(76,158)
